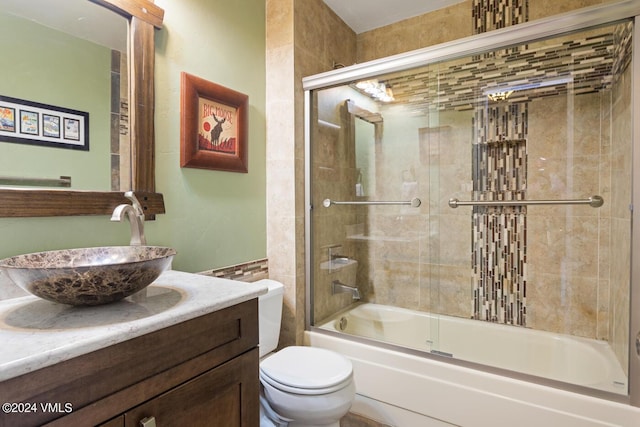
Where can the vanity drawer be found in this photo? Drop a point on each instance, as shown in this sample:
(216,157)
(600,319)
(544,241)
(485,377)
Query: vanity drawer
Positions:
(198,345)
(226,396)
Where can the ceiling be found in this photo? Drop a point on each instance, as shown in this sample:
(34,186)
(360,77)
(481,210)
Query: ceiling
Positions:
(365,15)
(80,18)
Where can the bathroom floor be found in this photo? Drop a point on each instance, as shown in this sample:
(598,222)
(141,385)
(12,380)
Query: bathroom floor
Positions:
(354,420)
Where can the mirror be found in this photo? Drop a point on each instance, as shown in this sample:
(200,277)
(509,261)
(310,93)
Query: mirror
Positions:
(84,47)
(143,17)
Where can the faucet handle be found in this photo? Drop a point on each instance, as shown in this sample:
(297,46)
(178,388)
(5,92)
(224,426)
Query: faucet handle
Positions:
(135,203)
(334,251)
(135,215)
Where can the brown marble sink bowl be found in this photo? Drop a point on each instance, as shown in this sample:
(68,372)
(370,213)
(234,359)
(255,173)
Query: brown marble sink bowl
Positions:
(88,276)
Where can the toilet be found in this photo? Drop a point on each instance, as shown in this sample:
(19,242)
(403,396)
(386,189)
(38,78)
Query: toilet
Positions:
(299,386)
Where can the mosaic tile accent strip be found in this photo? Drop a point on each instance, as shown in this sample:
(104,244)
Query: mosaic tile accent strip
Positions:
(248,272)
(500,164)
(500,122)
(500,170)
(495,14)
(622,48)
(499,233)
(124,117)
(581,66)
(115,120)
(499,256)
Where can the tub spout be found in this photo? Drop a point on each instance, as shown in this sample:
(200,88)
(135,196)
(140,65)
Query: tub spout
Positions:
(339,287)
(135,214)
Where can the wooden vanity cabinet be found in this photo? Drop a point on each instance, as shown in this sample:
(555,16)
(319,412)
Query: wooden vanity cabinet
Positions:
(213,399)
(202,372)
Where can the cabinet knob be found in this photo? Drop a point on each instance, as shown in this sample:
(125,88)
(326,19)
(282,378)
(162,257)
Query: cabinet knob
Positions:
(148,422)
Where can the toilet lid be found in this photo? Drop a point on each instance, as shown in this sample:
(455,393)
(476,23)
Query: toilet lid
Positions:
(308,368)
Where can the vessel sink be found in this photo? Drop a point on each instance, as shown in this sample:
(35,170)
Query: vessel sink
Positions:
(88,276)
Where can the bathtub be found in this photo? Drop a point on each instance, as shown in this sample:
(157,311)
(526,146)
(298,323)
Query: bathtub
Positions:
(404,388)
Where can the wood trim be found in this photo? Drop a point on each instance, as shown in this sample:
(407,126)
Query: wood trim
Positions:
(141,9)
(142,105)
(144,16)
(47,203)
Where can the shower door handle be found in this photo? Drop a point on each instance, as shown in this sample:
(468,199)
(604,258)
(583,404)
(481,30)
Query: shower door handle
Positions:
(414,203)
(593,201)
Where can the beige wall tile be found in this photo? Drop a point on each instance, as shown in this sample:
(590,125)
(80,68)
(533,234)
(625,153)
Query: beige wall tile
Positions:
(570,289)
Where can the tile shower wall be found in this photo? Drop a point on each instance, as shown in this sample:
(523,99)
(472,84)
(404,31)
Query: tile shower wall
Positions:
(614,238)
(324,41)
(120,150)
(334,177)
(568,285)
(418,32)
(303,38)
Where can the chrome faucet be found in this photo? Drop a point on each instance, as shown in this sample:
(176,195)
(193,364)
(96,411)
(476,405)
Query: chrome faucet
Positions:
(135,214)
(339,287)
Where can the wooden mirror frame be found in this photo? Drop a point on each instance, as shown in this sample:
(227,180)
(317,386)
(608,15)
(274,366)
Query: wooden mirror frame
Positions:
(144,16)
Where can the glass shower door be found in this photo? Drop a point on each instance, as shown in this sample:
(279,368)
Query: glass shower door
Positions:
(482,214)
(538,199)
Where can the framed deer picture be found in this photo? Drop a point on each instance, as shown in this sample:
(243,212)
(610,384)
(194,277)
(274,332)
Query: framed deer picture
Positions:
(213,126)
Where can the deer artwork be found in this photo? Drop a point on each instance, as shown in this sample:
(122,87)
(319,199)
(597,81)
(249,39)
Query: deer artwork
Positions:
(216,131)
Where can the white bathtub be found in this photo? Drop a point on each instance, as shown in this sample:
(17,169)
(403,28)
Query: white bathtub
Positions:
(399,386)
(574,360)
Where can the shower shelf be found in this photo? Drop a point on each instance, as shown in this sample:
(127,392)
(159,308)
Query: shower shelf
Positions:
(593,201)
(337,264)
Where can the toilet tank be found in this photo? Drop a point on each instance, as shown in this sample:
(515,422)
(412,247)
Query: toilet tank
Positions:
(270,315)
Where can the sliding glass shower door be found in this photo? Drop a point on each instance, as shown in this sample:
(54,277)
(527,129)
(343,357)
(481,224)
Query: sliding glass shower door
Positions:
(476,208)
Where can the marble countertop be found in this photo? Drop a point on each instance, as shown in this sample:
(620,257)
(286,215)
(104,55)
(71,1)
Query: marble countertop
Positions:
(36,333)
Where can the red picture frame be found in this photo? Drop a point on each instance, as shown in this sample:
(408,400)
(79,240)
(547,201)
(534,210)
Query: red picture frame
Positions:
(213,126)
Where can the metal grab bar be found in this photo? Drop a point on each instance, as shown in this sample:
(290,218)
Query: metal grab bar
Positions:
(63,181)
(593,201)
(415,202)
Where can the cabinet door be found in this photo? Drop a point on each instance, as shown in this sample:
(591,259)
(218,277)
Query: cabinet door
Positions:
(226,396)
(116,422)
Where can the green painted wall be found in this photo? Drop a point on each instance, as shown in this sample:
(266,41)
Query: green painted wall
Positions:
(213,218)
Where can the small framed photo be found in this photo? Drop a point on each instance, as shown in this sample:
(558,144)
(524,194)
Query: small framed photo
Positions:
(29,123)
(71,129)
(51,125)
(7,119)
(213,126)
(41,124)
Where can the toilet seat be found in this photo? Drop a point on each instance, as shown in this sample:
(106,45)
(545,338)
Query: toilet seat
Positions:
(306,370)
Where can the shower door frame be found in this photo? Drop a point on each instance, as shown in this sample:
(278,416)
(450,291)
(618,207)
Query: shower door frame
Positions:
(499,39)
